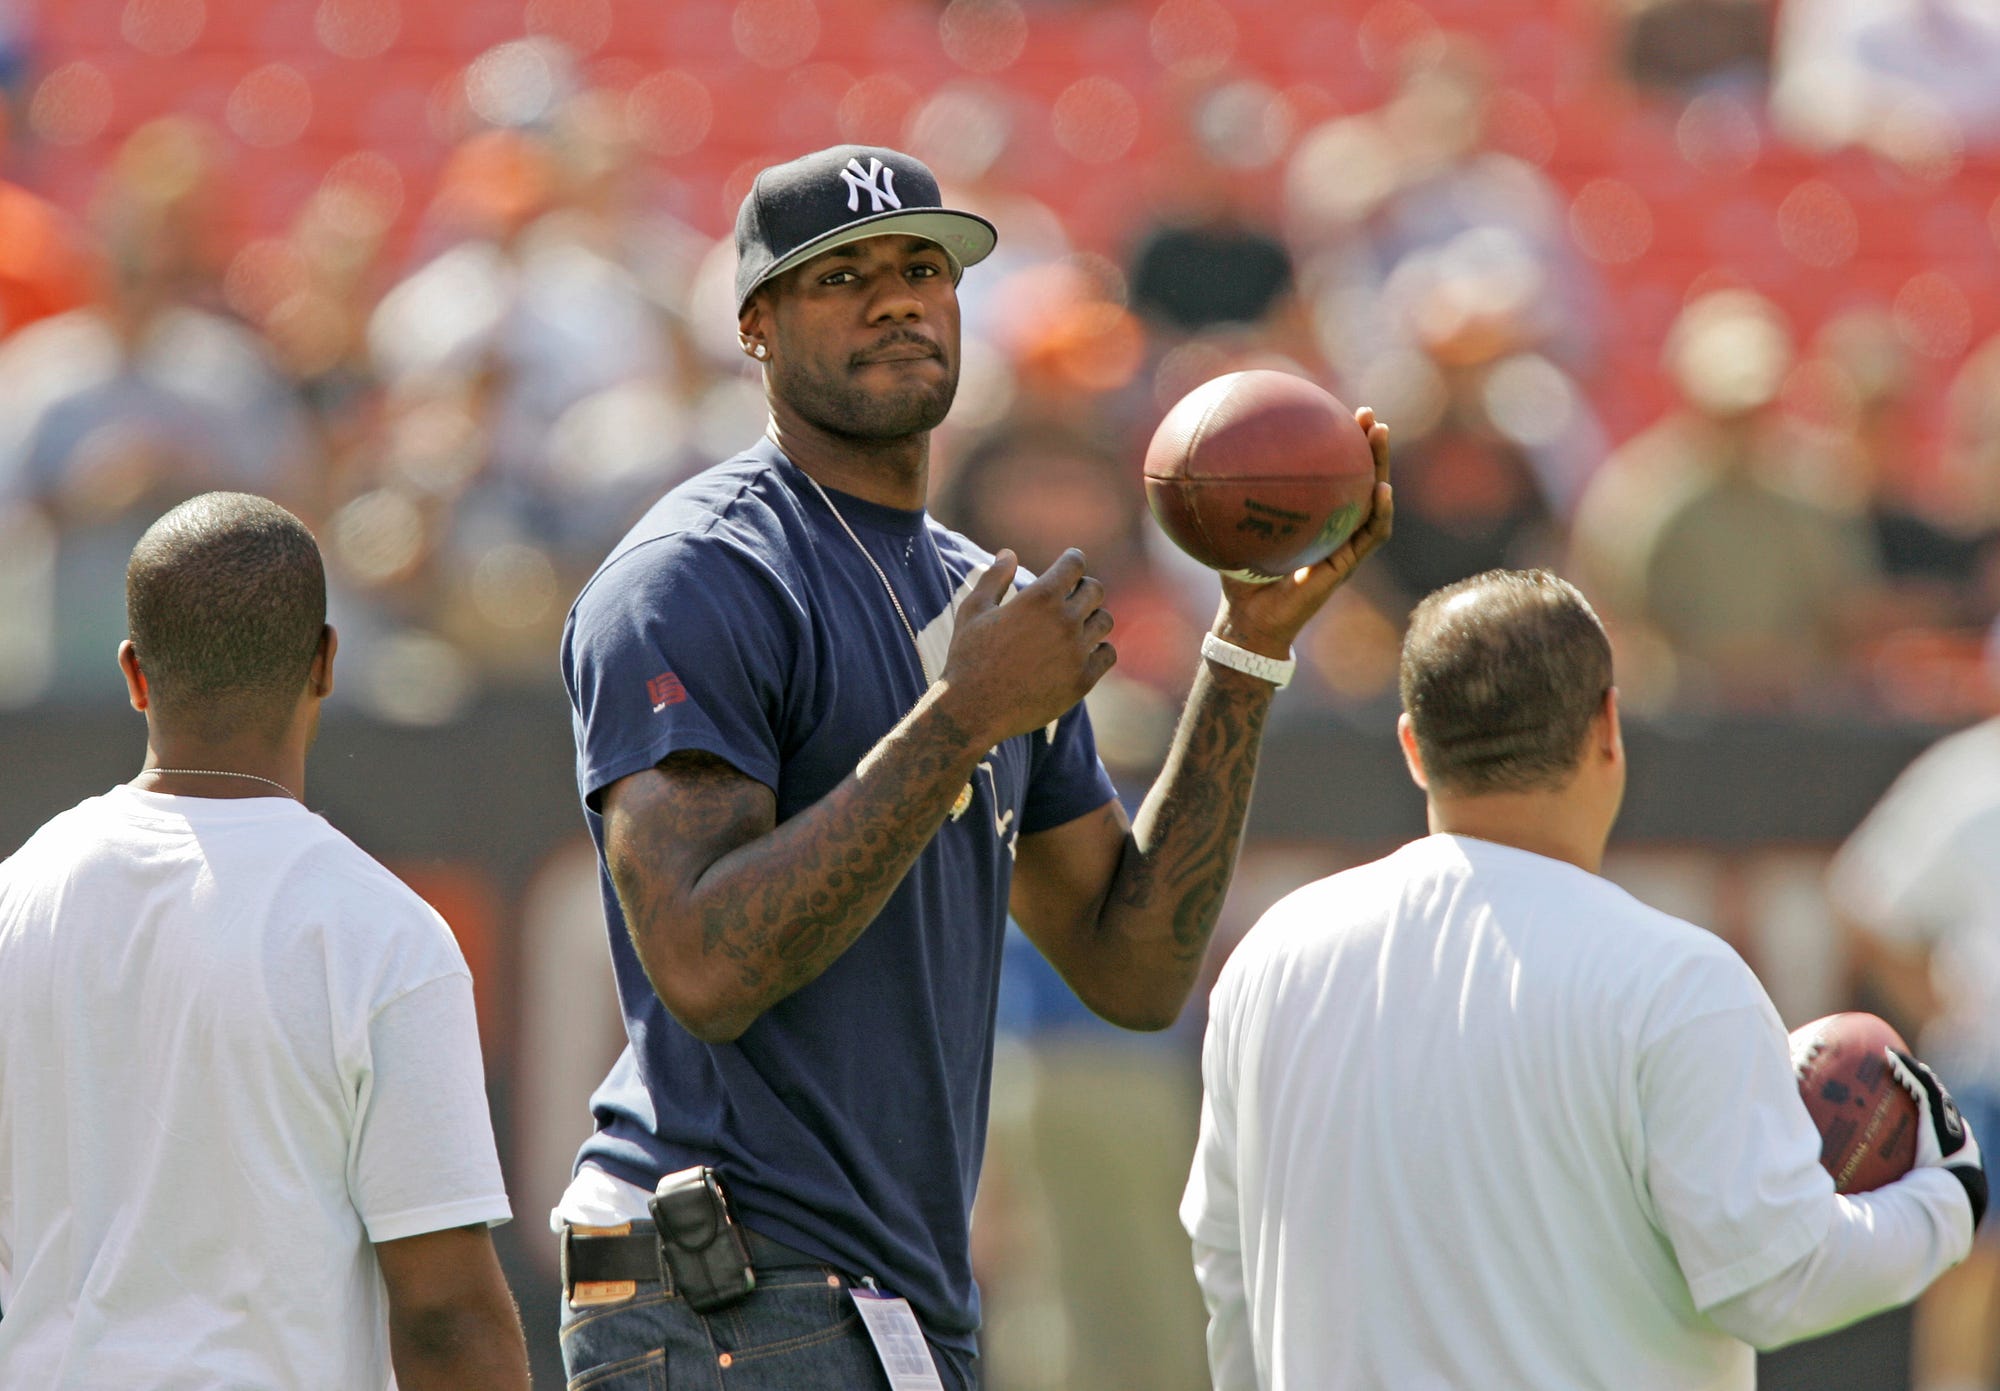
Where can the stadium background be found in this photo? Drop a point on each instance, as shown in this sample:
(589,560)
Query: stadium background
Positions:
(451,280)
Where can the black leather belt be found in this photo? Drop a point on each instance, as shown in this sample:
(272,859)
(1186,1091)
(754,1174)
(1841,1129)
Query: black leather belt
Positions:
(635,1256)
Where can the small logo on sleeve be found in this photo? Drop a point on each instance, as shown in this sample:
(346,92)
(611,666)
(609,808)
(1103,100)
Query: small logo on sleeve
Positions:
(664,690)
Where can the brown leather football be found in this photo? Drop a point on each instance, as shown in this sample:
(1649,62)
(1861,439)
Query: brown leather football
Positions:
(1867,1122)
(1259,473)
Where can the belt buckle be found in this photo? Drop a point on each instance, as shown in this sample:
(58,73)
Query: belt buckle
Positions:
(594,1293)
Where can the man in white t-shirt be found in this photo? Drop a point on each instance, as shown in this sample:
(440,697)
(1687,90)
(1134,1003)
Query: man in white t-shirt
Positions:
(243,1129)
(1476,1118)
(1918,884)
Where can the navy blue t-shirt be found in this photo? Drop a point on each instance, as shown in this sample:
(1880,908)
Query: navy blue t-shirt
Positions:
(738,618)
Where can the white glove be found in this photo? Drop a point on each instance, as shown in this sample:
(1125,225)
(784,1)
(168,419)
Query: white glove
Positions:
(1944,1140)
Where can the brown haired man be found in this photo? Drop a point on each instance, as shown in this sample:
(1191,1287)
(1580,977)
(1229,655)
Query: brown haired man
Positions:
(1474,1116)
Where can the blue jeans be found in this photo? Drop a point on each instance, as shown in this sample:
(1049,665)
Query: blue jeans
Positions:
(797,1332)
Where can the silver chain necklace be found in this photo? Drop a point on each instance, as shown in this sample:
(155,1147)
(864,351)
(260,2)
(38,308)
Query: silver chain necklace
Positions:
(218,773)
(964,798)
(882,575)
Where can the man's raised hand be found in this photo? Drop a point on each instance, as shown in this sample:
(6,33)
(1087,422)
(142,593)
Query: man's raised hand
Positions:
(1267,617)
(1021,658)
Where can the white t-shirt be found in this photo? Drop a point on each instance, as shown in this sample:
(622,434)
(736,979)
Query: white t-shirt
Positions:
(1924,868)
(234,1051)
(1476,1118)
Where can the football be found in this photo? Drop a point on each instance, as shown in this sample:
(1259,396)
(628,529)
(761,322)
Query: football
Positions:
(1867,1122)
(1259,473)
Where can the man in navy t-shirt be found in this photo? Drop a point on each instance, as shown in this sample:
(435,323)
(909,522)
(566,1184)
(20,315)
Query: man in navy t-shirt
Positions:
(822,761)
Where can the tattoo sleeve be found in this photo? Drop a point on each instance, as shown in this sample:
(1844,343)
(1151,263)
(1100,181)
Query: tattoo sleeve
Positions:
(1177,864)
(731,912)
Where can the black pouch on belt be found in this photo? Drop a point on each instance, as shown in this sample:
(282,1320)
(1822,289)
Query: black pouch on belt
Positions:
(700,1243)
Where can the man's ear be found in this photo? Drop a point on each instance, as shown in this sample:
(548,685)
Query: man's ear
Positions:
(135,677)
(1610,732)
(753,328)
(1413,758)
(320,677)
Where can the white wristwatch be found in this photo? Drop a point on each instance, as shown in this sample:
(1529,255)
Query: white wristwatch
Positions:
(1250,663)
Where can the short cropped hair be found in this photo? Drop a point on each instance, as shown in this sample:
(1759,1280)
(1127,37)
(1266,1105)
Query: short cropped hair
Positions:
(1501,676)
(225,598)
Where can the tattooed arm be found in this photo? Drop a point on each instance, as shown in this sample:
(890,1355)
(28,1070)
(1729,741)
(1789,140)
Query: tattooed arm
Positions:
(1125,912)
(731,910)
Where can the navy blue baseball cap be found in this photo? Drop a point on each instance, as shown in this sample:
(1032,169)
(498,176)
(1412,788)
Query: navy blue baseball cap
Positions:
(835,196)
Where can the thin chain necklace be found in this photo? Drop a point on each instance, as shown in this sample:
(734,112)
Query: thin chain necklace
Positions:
(218,773)
(882,575)
(964,798)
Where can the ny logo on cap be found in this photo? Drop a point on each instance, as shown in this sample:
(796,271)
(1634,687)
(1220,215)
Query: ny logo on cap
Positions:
(880,194)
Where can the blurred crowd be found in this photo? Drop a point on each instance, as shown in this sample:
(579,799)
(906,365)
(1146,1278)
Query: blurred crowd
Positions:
(472,393)
(471,372)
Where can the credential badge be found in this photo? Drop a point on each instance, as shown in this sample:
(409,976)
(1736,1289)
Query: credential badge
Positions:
(878,180)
